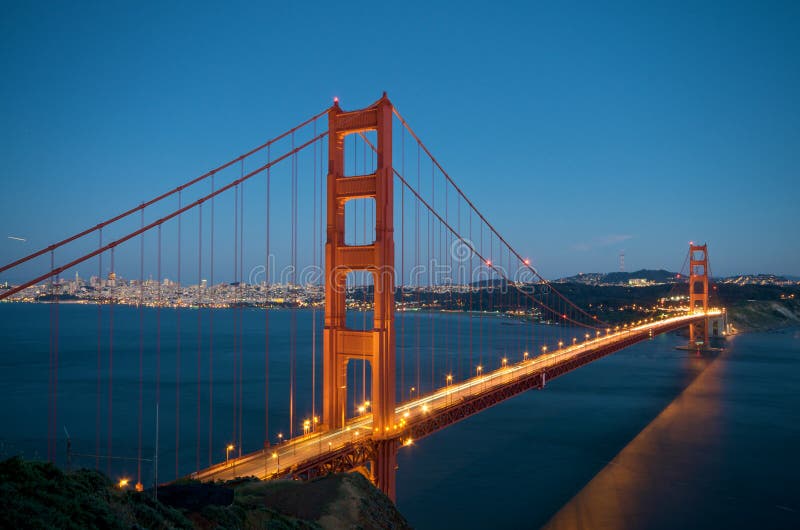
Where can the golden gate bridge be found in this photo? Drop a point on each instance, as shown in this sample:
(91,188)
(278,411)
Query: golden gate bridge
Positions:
(354,206)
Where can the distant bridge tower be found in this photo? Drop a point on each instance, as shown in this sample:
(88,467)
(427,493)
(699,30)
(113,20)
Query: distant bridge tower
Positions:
(698,292)
(376,346)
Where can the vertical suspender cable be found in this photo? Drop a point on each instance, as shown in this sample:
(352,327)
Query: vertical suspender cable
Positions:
(431,258)
(178,347)
(110,363)
(99,350)
(402,266)
(241,313)
(235,311)
(365,283)
(55,364)
(292,286)
(267,273)
(141,352)
(211,339)
(417,273)
(50,368)
(158,322)
(313,305)
(199,326)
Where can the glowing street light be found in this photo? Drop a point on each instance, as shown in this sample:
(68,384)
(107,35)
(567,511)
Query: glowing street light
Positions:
(560,344)
(123,483)
(504,362)
(448,379)
(228,450)
(278,461)
(411,391)
(544,349)
(306,426)
(524,356)
(574,340)
(280,438)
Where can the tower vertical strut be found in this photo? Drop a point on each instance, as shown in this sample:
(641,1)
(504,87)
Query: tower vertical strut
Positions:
(340,343)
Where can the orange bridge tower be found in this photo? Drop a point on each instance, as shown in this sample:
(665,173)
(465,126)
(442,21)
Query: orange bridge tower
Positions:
(376,346)
(698,292)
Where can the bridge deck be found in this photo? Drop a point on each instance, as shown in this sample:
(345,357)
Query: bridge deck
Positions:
(316,453)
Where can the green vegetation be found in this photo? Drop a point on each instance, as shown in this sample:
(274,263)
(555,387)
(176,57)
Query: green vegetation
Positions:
(39,495)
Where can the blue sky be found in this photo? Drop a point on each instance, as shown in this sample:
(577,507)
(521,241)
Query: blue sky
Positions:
(580,130)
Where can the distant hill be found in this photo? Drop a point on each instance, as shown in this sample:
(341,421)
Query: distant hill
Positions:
(657,276)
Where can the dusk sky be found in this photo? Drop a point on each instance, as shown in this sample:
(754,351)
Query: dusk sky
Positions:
(578,130)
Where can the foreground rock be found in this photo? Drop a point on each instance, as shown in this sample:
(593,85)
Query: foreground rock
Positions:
(39,495)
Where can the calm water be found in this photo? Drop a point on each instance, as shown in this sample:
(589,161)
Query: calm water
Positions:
(648,437)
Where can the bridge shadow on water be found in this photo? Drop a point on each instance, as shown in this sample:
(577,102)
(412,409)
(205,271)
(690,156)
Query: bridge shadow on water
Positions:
(710,459)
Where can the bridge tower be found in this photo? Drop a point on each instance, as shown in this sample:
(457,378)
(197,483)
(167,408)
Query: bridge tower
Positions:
(698,292)
(340,344)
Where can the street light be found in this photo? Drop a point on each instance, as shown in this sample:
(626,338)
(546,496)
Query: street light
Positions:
(278,460)
(123,483)
(574,340)
(411,391)
(524,356)
(449,380)
(544,349)
(228,450)
(504,362)
(479,370)
(280,438)
(306,426)
(560,344)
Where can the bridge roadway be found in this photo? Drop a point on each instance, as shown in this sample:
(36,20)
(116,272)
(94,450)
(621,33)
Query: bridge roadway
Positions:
(313,454)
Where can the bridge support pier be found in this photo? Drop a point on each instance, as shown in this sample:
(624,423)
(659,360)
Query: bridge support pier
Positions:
(384,467)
